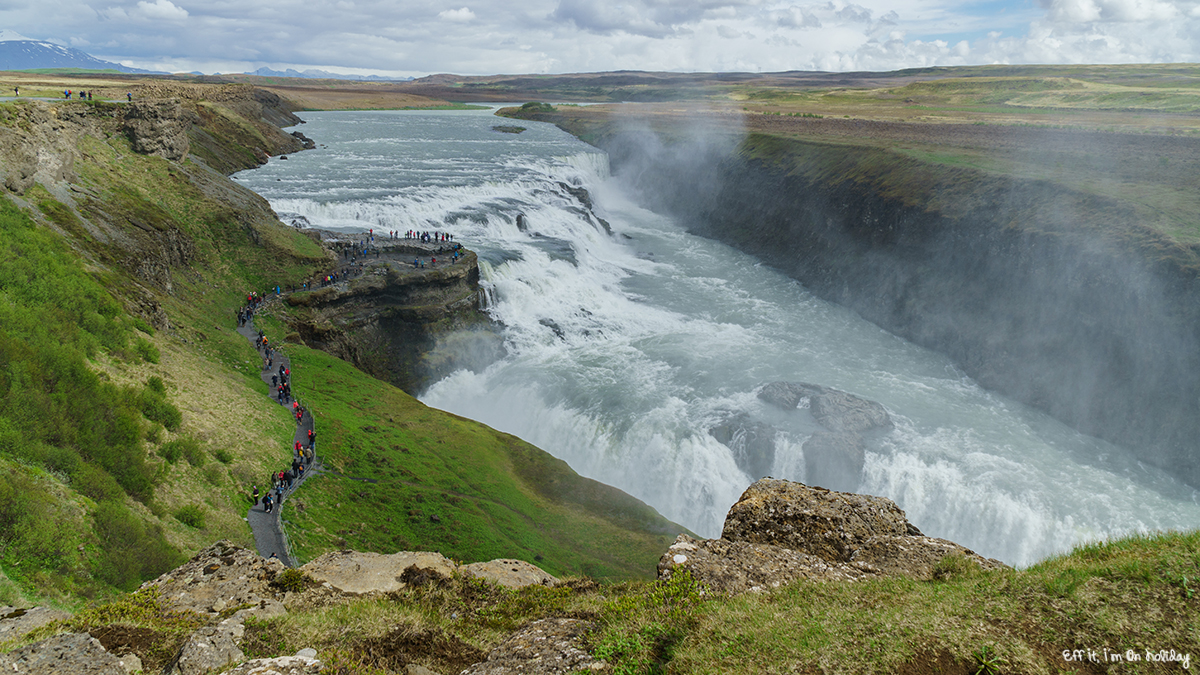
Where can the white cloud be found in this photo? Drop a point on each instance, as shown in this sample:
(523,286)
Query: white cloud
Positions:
(540,36)
(160,10)
(1110,10)
(462,14)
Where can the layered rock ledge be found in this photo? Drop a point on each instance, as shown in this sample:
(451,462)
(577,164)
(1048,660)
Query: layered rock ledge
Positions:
(781,531)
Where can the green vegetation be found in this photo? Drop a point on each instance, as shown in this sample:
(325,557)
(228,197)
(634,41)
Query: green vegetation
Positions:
(61,421)
(535,107)
(191,515)
(1120,595)
(160,632)
(114,427)
(90,424)
(409,477)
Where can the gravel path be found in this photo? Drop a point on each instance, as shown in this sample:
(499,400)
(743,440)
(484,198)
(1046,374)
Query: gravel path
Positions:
(269,537)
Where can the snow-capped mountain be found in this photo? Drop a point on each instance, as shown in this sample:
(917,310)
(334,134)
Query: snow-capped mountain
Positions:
(18,52)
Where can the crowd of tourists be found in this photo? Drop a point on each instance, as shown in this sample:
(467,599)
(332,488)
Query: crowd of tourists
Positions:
(304,449)
(429,237)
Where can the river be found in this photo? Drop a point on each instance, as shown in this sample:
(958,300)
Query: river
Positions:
(623,350)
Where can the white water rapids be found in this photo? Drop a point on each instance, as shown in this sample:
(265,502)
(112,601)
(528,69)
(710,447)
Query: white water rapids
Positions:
(623,350)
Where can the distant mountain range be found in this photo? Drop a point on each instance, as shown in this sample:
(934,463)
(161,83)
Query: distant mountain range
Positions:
(324,75)
(20,53)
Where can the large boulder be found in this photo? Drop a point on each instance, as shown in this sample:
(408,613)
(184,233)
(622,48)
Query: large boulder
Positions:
(834,460)
(546,647)
(509,573)
(830,525)
(63,654)
(780,531)
(732,567)
(210,649)
(356,573)
(222,577)
(787,395)
(841,412)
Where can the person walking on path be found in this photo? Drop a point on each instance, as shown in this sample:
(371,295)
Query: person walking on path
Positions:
(255,495)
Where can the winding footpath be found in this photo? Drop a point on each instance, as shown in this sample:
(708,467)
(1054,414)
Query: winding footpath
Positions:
(269,536)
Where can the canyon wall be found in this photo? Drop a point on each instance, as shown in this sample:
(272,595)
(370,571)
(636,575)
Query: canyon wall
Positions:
(1028,285)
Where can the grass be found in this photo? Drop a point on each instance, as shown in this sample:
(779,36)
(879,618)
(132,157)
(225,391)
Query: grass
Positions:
(416,478)
(1112,597)
(100,412)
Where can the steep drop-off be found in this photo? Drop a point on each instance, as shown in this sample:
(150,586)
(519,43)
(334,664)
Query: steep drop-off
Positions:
(133,418)
(389,321)
(1063,299)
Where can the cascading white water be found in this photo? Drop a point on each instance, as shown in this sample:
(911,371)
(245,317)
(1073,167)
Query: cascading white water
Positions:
(625,349)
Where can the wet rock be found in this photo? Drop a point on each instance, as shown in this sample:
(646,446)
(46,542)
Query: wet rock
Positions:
(834,460)
(833,409)
(73,653)
(841,412)
(360,573)
(16,621)
(752,443)
(210,649)
(787,395)
(732,567)
(282,665)
(307,142)
(579,193)
(509,573)
(546,647)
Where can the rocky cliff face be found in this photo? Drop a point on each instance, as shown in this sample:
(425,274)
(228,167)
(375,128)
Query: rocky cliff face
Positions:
(1098,326)
(393,320)
(71,150)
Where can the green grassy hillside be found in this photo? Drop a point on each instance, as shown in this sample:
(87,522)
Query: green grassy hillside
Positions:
(132,417)
(399,465)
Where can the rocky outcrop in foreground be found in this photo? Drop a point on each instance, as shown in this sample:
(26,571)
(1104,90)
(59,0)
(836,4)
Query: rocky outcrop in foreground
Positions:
(226,584)
(781,531)
(778,532)
(355,573)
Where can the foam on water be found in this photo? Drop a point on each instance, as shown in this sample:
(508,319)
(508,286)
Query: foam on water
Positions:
(624,350)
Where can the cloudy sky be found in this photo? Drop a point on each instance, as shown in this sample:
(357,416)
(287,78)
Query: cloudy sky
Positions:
(480,37)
